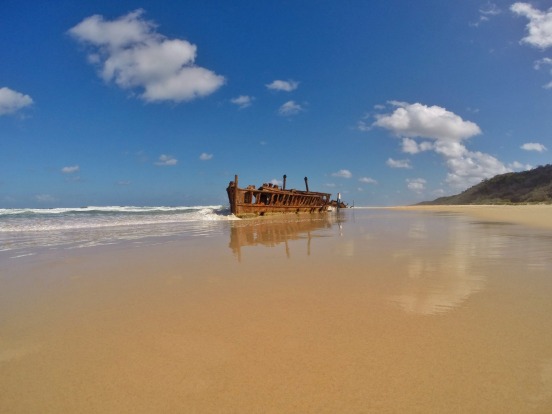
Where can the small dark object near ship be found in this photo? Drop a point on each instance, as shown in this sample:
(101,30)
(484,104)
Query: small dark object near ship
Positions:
(270,199)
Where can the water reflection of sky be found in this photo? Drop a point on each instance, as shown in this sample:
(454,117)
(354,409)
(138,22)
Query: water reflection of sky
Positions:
(442,260)
(432,263)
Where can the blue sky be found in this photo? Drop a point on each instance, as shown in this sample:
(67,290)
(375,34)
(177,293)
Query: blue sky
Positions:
(161,103)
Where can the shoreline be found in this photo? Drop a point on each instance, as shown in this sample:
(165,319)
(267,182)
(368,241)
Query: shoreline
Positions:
(534,215)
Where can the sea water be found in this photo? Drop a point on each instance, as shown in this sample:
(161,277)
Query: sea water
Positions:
(23,232)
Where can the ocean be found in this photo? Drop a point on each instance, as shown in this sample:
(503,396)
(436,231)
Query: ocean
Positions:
(24,232)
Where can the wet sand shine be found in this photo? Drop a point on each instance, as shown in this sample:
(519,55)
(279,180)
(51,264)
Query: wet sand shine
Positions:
(370,311)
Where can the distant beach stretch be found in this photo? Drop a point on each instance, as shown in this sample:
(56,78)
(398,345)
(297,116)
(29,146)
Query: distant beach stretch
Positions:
(189,310)
(535,215)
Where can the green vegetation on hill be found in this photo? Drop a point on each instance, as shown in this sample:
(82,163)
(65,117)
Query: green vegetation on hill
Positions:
(533,186)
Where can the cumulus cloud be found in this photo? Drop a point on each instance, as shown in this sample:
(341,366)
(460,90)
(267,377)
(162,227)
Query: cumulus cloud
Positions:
(205,157)
(518,166)
(280,85)
(539,26)
(417,120)
(70,170)
(398,163)
(129,52)
(471,167)
(533,146)
(416,184)
(290,108)
(166,161)
(444,133)
(342,174)
(243,101)
(410,146)
(367,180)
(12,101)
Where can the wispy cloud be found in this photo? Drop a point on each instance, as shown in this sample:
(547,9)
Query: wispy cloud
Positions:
(542,63)
(166,161)
(280,85)
(129,52)
(243,101)
(12,101)
(398,163)
(486,12)
(290,108)
(45,198)
(342,174)
(367,180)
(533,146)
(205,157)
(70,170)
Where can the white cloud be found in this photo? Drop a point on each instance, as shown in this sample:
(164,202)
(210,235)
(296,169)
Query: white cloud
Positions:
(539,26)
(398,163)
(70,170)
(447,132)
(367,180)
(166,160)
(533,146)
(417,120)
(542,62)
(342,174)
(11,101)
(280,85)
(416,184)
(129,52)
(290,108)
(205,157)
(243,101)
(410,146)
(471,167)
(518,166)
(275,181)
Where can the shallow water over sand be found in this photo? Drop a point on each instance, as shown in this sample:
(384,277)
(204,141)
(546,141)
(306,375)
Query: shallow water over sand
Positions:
(369,311)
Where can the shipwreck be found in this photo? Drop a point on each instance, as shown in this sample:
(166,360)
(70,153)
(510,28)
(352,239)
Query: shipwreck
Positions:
(271,199)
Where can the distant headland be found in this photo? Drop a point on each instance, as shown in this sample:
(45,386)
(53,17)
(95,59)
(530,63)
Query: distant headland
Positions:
(526,187)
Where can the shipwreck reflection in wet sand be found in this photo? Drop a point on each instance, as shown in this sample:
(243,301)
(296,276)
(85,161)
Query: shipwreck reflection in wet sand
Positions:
(271,232)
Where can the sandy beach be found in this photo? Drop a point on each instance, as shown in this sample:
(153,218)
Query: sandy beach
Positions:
(406,310)
(539,216)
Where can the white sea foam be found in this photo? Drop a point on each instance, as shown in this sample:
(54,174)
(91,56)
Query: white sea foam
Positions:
(24,229)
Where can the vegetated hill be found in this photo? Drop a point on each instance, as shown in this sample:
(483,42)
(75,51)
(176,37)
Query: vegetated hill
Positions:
(533,186)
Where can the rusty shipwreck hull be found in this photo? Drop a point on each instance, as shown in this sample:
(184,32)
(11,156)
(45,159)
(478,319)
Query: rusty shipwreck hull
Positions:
(270,199)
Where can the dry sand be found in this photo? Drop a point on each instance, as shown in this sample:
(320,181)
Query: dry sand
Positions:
(394,313)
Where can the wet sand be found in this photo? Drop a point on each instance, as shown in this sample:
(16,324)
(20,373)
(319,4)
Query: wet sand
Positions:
(369,312)
(530,215)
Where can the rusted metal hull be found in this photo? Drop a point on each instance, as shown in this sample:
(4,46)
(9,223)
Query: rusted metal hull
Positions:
(269,199)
